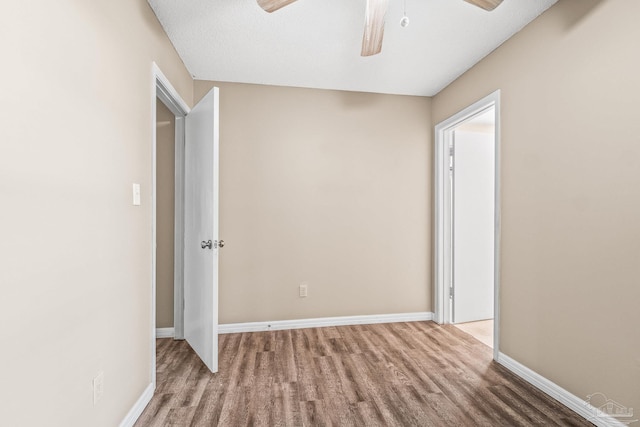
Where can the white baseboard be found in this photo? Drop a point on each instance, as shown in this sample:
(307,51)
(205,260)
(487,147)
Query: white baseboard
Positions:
(576,404)
(138,407)
(278,325)
(165,333)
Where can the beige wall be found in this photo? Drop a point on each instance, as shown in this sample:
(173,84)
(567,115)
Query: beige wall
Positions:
(329,188)
(75,254)
(165,191)
(325,187)
(570,193)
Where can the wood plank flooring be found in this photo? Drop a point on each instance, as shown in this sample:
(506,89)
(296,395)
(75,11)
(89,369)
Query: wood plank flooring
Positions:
(397,374)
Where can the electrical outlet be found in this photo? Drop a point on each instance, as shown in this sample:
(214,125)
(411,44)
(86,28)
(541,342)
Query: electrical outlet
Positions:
(303,290)
(98,387)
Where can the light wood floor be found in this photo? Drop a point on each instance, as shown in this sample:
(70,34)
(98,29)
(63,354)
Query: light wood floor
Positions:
(481,330)
(400,374)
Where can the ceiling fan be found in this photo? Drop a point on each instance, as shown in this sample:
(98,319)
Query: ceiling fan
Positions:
(374,19)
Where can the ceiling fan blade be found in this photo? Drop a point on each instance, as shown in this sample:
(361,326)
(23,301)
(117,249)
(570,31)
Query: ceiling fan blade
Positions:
(485,4)
(374,27)
(273,5)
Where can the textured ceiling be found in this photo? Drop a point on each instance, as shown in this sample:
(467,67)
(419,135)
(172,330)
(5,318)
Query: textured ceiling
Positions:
(316,43)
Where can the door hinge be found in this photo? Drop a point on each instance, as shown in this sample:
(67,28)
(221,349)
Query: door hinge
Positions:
(451,292)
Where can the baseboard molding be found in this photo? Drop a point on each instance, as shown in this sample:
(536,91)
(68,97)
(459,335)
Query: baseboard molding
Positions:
(321,322)
(138,407)
(576,404)
(165,333)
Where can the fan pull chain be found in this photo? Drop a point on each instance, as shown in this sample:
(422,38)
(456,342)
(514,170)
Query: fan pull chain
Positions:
(404,22)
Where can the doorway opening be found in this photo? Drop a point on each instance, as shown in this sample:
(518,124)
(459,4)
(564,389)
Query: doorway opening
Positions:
(165,220)
(195,202)
(168,130)
(467,221)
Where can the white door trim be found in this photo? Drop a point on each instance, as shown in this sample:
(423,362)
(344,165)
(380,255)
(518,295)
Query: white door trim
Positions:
(442,241)
(162,89)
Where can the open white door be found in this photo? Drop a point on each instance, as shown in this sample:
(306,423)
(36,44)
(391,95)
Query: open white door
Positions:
(473,225)
(201,230)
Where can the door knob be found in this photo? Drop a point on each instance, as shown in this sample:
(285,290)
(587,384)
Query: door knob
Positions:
(219,244)
(207,244)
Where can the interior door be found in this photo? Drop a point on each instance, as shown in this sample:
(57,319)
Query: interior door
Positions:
(201,230)
(473,225)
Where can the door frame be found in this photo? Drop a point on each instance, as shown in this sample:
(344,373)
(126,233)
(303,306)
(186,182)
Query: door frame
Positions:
(442,223)
(163,90)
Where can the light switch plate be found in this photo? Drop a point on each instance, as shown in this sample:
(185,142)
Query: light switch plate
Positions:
(98,387)
(136,194)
